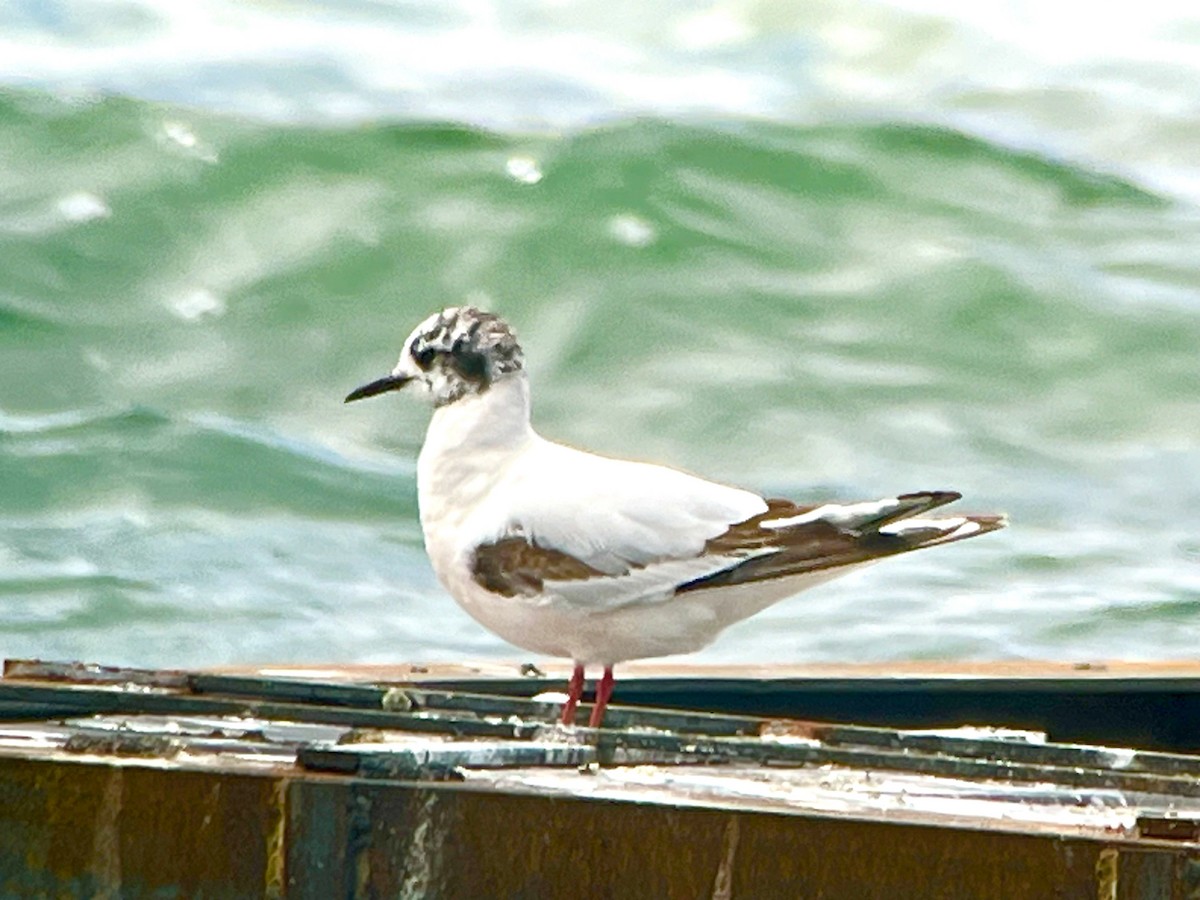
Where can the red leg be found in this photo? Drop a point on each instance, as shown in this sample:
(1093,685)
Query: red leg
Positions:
(574,692)
(603,692)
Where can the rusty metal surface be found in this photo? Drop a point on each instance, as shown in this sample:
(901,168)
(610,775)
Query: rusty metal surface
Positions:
(459,845)
(85,830)
(1154,705)
(1147,705)
(255,785)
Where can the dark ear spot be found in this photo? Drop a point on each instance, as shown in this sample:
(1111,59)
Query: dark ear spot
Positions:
(424,358)
(470,364)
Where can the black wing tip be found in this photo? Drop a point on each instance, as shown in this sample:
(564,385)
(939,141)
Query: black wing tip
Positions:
(855,548)
(934,499)
(928,500)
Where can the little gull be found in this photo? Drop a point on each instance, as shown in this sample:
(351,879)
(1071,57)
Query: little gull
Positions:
(566,553)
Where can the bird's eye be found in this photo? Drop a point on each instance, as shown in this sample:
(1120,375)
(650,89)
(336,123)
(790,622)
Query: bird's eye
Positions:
(424,358)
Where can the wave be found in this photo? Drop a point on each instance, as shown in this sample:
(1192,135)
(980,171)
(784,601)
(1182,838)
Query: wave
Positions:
(815,307)
(74,460)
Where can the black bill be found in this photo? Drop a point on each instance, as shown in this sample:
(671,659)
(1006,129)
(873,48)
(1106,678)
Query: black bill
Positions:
(380,386)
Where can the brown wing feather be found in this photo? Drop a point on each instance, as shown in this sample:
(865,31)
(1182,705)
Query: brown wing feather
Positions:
(820,544)
(513,566)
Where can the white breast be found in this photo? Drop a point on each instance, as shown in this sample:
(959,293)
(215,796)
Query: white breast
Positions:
(481,479)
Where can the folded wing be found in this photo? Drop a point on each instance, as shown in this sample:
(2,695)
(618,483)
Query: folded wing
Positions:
(547,559)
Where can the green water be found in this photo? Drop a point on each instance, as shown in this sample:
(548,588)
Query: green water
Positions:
(828,302)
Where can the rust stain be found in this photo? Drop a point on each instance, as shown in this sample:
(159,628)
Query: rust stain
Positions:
(794,728)
(91,673)
(723,883)
(276,850)
(106,836)
(1107,874)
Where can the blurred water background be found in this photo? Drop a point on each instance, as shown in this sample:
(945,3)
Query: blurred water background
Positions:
(815,248)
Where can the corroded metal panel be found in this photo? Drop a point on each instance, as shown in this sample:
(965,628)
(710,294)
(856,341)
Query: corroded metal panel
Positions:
(133,784)
(91,829)
(86,829)
(1152,705)
(457,844)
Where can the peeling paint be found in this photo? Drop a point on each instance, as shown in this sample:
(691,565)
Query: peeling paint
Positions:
(1107,874)
(422,861)
(723,883)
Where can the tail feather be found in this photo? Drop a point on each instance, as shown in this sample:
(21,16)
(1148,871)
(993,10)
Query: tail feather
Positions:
(790,540)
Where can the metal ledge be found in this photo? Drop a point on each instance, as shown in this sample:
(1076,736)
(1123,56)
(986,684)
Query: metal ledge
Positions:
(275,785)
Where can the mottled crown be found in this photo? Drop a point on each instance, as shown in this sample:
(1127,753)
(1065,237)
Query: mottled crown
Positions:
(463,350)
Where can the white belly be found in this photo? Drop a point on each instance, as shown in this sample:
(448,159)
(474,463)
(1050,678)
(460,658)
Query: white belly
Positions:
(476,476)
(680,624)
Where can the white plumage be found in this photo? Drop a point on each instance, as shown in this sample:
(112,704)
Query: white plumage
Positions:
(567,553)
(477,486)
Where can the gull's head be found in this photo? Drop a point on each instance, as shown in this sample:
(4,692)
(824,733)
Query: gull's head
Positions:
(459,352)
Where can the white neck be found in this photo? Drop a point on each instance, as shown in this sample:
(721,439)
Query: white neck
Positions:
(469,443)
